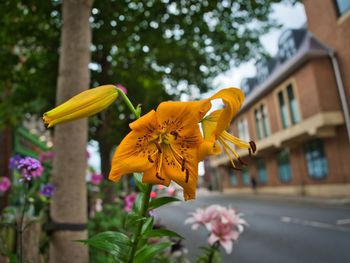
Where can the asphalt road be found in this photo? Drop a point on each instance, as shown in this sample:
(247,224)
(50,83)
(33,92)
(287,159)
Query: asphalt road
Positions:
(279,231)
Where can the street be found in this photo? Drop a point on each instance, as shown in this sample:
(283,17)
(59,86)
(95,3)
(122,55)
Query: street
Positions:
(279,231)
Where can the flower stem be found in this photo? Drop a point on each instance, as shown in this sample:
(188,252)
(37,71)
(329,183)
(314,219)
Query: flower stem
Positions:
(20,228)
(143,212)
(137,111)
(214,249)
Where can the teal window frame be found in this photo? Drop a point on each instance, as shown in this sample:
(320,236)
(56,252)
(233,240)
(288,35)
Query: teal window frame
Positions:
(283,164)
(316,160)
(233,178)
(262,172)
(245,176)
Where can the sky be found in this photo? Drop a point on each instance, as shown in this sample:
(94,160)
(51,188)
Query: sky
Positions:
(289,16)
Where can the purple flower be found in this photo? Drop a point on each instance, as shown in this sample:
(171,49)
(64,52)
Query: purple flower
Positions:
(5,184)
(30,168)
(47,190)
(96,178)
(14,160)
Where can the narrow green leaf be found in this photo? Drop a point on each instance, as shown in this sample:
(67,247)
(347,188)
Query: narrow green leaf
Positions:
(114,249)
(148,252)
(138,202)
(147,226)
(138,180)
(161,232)
(115,243)
(113,236)
(157,202)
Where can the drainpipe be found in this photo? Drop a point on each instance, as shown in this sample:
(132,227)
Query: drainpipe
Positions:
(341,91)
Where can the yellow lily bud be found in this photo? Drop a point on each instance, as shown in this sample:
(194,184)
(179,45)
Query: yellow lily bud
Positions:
(83,105)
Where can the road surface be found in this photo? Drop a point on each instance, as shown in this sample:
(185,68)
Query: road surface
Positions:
(279,231)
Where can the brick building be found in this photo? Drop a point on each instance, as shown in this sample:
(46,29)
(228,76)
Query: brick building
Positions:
(296,110)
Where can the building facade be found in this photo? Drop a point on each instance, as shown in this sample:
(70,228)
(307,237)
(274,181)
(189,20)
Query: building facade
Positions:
(296,110)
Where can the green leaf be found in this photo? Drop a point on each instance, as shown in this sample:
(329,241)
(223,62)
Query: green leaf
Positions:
(138,203)
(155,203)
(147,226)
(149,251)
(161,232)
(115,243)
(138,179)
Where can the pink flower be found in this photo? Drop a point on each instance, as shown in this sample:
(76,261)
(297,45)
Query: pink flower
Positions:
(224,224)
(129,201)
(153,194)
(224,234)
(96,178)
(203,217)
(5,184)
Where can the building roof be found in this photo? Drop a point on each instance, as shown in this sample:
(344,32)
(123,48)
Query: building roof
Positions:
(309,48)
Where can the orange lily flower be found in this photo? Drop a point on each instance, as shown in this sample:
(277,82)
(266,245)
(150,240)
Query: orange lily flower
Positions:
(215,124)
(164,145)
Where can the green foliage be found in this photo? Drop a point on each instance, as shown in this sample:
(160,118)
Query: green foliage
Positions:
(29,37)
(209,254)
(116,244)
(157,202)
(161,233)
(147,252)
(111,231)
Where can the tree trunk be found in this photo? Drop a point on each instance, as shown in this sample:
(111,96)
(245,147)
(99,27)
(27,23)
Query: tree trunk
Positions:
(105,153)
(69,203)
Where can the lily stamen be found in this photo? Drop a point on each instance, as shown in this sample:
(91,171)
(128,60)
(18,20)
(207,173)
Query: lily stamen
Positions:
(158,147)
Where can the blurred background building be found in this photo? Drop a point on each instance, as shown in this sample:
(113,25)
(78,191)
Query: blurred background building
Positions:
(297,111)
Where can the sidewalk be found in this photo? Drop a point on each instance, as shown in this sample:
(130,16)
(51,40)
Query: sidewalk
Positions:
(333,201)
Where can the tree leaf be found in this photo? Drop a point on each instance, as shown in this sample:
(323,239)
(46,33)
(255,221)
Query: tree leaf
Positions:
(149,251)
(157,202)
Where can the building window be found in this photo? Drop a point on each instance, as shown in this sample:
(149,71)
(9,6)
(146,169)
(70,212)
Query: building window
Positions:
(317,165)
(233,178)
(284,171)
(342,6)
(293,106)
(283,110)
(243,131)
(288,106)
(245,176)
(262,173)
(261,122)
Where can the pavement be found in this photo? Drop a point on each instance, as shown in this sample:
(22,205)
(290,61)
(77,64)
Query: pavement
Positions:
(333,201)
(281,229)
